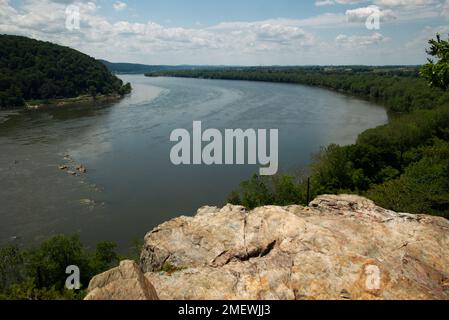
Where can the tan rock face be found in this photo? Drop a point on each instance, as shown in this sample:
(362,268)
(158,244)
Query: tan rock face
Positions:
(340,247)
(125,282)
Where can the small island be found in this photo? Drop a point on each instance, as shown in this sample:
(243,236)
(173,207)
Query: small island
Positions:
(37,74)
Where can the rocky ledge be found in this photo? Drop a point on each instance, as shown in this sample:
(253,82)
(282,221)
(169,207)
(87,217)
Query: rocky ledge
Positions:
(340,247)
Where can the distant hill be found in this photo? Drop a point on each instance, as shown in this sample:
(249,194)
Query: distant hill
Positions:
(37,70)
(134,68)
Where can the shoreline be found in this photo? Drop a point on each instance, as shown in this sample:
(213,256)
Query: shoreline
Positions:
(68,102)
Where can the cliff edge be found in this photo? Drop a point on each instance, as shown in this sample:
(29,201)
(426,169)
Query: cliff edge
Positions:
(340,247)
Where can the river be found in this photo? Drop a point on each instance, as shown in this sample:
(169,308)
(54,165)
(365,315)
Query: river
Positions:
(131,185)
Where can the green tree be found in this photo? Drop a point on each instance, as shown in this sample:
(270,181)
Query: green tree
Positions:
(331,170)
(105,256)
(39,273)
(46,264)
(437,72)
(424,188)
(11,267)
(255,192)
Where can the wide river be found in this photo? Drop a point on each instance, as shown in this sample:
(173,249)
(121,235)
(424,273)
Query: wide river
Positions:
(131,185)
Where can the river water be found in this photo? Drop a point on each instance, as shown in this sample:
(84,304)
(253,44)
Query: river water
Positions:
(131,185)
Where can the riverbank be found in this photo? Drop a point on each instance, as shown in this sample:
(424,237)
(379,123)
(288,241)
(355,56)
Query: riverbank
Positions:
(69,102)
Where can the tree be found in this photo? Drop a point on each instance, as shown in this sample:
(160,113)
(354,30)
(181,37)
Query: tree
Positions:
(437,72)
(11,266)
(47,263)
(331,170)
(105,256)
(256,192)
(40,272)
(424,188)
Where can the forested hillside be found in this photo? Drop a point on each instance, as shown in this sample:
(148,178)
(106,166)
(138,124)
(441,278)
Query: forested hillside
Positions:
(36,70)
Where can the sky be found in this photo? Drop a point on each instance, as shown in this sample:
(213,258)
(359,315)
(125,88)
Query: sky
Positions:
(235,32)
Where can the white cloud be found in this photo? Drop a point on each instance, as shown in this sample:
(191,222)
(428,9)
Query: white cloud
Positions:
(119,6)
(360,41)
(406,3)
(321,3)
(362,14)
(324,39)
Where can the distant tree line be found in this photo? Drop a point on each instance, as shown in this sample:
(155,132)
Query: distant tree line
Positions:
(36,70)
(134,68)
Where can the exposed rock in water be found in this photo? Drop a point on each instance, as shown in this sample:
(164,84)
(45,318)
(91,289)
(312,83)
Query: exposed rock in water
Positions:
(87,202)
(340,247)
(81,168)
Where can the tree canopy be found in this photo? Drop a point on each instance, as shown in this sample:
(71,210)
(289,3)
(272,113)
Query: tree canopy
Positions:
(437,72)
(39,273)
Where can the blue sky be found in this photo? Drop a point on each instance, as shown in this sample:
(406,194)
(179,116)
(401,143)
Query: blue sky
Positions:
(209,12)
(245,32)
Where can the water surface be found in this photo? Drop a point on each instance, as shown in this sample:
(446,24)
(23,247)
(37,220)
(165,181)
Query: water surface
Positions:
(131,185)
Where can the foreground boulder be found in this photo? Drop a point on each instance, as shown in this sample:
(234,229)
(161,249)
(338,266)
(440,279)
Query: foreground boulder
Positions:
(340,247)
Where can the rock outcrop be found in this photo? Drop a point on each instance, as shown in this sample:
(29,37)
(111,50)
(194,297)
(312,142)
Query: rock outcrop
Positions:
(340,247)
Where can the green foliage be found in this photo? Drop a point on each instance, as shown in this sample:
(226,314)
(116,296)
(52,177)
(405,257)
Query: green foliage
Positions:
(423,188)
(170,268)
(331,169)
(36,70)
(104,257)
(134,250)
(11,267)
(126,89)
(256,192)
(39,273)
(437,73)
(279,190)
(27,290)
